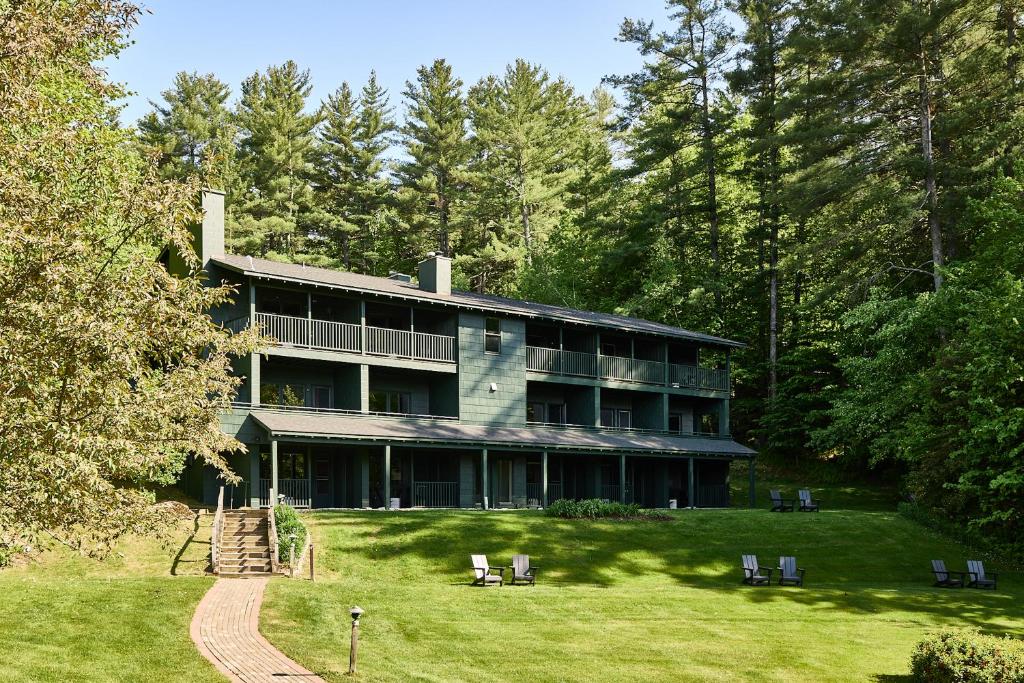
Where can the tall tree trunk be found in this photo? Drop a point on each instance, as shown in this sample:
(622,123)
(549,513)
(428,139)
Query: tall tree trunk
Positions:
(708,138)
(931,196)
(442,205)
(524,214)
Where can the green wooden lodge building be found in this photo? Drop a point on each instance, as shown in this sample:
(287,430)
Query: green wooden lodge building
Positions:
(400,392)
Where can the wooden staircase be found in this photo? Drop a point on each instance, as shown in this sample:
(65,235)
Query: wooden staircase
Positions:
(243,546)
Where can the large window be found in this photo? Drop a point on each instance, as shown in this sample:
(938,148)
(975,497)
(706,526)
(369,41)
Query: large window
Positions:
(282,394)
(552,413)
(616,418)
(675,422)
(390,402)
(322,397)
(492,335)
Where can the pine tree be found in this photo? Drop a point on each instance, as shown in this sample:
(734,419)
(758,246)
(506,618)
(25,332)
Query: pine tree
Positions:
(277,146)
(192,129)
(435,140)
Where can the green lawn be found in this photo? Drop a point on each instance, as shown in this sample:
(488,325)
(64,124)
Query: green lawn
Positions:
(636,601)
(69,618)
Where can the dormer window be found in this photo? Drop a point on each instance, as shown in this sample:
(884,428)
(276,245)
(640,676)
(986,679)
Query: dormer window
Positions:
(492,335)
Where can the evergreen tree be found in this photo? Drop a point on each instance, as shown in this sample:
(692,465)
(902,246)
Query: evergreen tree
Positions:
(435,140)
(277,145)
(192,130)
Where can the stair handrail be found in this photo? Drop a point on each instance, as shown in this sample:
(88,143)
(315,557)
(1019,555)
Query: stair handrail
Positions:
(218,524)
(272,532)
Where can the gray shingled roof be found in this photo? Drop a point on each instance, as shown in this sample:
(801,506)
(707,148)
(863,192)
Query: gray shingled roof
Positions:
(359,428)
(382,286)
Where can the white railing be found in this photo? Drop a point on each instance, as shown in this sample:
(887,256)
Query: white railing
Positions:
(561,362)
(693,376)
(215,534)
(436,494)
(295,492)
(310,333)
(632,370)
(275,560)
(382,341)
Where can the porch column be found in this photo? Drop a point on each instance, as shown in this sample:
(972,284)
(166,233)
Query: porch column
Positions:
(622,477)
(753,499)
(412,477)
(254,476)
(544,478)
(362,325)
(723,417)
(387,477)
(273,473)
(483,472)
(689,484)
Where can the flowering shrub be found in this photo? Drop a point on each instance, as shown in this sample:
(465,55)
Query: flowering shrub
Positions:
(968,657)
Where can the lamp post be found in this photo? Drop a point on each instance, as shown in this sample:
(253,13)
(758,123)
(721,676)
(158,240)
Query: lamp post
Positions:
(356,612)
(291,556)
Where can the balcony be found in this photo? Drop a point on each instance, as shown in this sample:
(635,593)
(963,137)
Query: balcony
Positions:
(326,335)
(581,364)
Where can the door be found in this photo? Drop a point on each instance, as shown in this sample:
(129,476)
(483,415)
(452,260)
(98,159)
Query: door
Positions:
(503,483)
(323,481)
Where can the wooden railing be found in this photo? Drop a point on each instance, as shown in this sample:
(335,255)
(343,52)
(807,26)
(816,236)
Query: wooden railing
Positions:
(639,370)
(436,494)
(610,492)
(554,490)
(295,492)
(535,494)
(216,532)
(328,335)
(632,370)
(275,560)
(712,496)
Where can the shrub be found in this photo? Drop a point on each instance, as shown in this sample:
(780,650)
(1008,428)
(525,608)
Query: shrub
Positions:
(968,657)
(287,521)
(598,509)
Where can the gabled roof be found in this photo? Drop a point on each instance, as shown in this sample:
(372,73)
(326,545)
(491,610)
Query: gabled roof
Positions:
(387,287)
(361,428)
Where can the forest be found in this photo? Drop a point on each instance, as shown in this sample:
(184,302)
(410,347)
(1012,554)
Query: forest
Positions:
(836,183)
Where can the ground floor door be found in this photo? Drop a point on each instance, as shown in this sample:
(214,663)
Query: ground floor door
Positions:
(323,481)
(502,486)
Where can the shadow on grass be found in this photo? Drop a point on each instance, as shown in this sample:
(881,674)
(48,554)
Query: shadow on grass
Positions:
(187,545)
(857,562)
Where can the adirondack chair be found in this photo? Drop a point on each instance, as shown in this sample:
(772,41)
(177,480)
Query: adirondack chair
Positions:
(522,571)
(482,572)
(780,504)
(979,579)
(789,573)
(754,574)
(945,578)
(806,503)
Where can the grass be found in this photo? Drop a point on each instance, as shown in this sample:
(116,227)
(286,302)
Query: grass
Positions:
(641,601)
(126,618)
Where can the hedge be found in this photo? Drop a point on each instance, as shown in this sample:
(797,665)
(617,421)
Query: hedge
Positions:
(595,508)
(288,523)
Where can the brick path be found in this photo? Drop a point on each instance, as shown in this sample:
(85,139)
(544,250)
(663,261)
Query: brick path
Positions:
(226,630)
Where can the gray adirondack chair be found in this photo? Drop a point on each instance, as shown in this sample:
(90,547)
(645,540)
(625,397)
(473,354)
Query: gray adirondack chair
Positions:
(806,503)
(482,575)
(522,571)
(979,579)
(945,578)
(754,574)
(779,504)
(789,573)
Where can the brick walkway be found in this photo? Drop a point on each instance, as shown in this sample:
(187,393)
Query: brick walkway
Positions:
(226,630)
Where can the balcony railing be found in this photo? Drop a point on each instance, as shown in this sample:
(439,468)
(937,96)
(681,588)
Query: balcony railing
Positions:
(436,494)
(295,492)
(328,335)
(639,370)
(554,490)
(535,494)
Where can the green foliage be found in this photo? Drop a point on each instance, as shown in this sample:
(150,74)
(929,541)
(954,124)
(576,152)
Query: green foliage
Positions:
(968,657)
(596,508)
(113,372)
(288,525)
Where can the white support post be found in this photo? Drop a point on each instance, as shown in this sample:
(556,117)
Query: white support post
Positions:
(273,474)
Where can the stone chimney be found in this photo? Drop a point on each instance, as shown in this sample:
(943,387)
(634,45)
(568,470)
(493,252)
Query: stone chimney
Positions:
(435,274)
(208,237)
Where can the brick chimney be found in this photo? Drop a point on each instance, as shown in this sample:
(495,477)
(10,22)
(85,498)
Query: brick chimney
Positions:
(435,274)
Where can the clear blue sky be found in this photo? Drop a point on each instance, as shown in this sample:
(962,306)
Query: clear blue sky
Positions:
(342,41)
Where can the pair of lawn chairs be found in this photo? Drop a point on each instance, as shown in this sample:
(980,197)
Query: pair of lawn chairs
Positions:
(756,575)
(780,504)
(975,569)
(522,571)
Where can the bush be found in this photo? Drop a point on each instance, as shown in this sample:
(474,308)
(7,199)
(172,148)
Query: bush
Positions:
(598,509)
(287,521)
(968,657)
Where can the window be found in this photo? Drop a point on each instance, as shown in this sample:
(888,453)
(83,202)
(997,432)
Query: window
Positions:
(551,413)
(535,412)
(556,413)
(283,394)
(390,402)
(322,397)
(709,423)
(675,422)
(492,335)
(616,419)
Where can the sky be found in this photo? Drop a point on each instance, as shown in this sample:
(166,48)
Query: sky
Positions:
(344,40)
